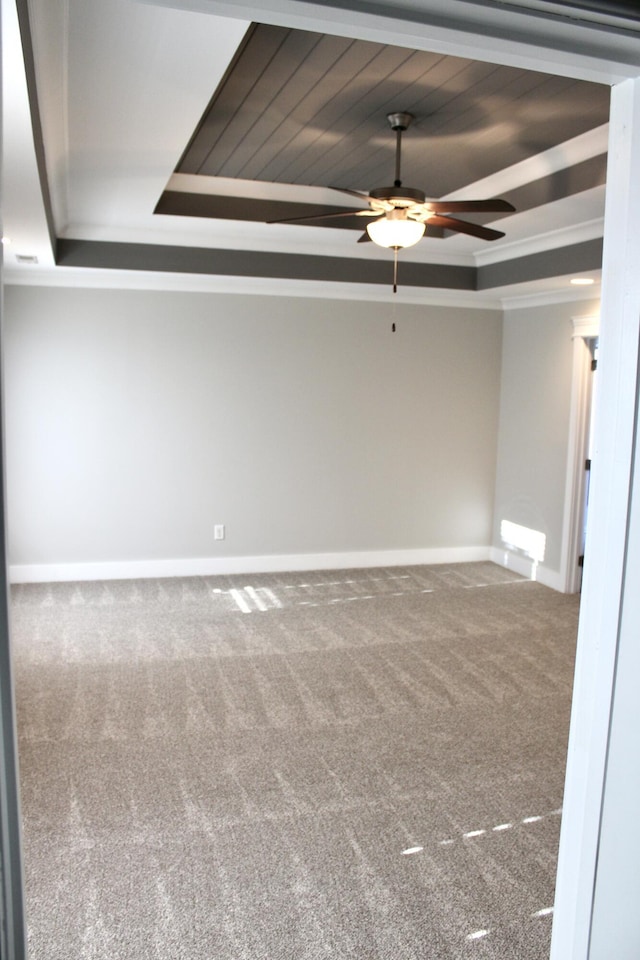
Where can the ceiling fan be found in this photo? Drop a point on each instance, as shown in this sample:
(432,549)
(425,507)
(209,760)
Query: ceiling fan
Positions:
(402,214)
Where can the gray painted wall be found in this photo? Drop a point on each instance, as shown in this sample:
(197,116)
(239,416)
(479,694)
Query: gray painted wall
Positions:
(136,420)
(534,420)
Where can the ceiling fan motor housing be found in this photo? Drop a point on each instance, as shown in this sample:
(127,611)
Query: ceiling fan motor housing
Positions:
(400,196)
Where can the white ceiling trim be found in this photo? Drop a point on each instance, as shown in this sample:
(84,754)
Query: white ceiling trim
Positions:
(593,143)
(543,299)
(539,293)
(256,286)
(467,29)
(126,126)
(552,240)
(51,58)
(23,213)
(257,190)
(323,241)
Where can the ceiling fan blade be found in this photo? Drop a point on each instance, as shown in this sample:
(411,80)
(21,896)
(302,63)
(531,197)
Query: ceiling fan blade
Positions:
(365,238)
(461,226)
(470,206)
(325,216)
(351,193)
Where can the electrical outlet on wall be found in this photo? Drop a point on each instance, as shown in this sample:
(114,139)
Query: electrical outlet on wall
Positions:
(218,531)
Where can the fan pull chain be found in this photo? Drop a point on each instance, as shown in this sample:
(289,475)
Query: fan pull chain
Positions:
(393,315)
(395,269)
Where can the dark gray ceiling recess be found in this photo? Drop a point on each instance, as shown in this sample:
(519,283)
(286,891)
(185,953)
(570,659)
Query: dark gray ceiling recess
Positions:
(305,108)
(243,263)
(561,261)
(259,264)
(308,109)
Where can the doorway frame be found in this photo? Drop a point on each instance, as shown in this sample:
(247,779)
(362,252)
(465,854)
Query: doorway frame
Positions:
(584,330)
(515,35)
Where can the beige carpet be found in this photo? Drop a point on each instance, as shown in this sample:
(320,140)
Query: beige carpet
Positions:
(355,764)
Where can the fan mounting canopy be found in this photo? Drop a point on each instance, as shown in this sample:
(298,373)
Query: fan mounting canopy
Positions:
(400,121)
(399,196)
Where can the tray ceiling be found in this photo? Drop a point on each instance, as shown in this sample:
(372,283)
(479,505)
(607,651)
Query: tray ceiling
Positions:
(305,108)
(170,137)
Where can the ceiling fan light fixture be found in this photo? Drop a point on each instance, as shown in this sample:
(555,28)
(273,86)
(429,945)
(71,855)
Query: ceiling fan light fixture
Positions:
(393,231)
(402,212)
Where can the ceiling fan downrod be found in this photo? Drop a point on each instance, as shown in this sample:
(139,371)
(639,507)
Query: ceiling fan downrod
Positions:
(399,122)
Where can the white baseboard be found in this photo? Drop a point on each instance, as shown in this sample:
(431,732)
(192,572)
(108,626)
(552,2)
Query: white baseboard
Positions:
(527,568)
(211,566)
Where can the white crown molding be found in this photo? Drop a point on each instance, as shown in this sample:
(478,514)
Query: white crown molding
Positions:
(549,297)
(473,28)
(86,278)
(257,190)
(551,240)
(567,154)
(246,286)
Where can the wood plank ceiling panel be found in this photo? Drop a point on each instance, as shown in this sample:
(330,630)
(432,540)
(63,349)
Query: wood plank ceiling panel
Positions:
(367,139)
(303,108)
(253,123)
(320,85)
(273,103)
(329,121)
(438,113)
(371,144)
(234,88)
(451,148)
(358,99)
